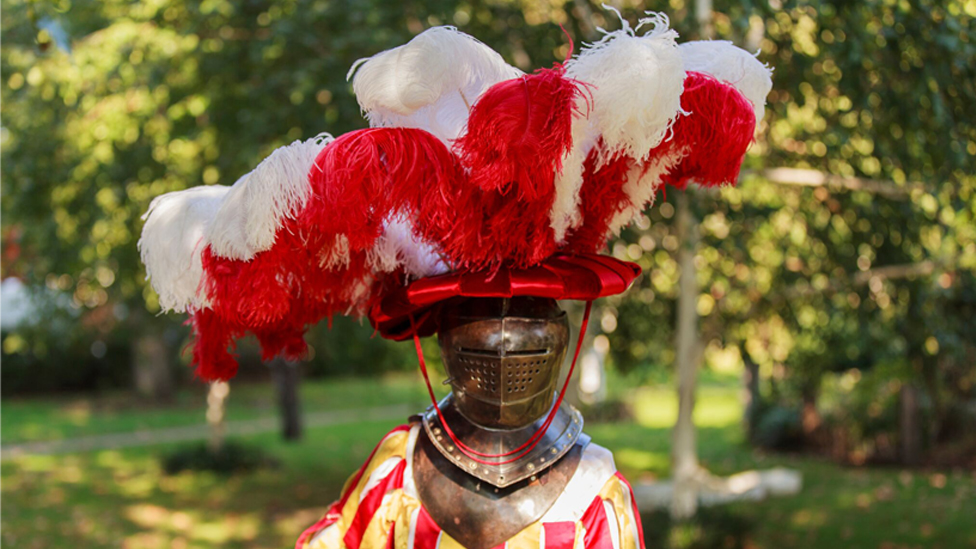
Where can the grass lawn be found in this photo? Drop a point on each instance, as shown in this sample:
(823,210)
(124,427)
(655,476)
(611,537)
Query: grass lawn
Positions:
(123,498)
(36,419)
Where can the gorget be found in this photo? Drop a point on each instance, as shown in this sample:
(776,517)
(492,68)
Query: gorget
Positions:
(478,515)
(558,439)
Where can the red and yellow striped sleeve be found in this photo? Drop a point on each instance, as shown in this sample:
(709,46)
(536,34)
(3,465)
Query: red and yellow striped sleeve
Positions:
(614,517)
(362,512)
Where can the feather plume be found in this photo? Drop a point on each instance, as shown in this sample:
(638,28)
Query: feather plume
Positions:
(613,194)
(731,64)
(365,177)
(641,186)
(429,82)
(565,212)
(214,340)
(398,247)
(173,238)
(366,191)
(260,201)
(637,84)
(714,137)
(518,134)
(487,167)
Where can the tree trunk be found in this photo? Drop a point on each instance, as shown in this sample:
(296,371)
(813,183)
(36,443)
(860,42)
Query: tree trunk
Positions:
(286,376)
(750,394)
(684,452)
(810,415)
(216,404)
(910,439)
(684,458)
(703,15)
(152,374)
(592,385)
(575,394)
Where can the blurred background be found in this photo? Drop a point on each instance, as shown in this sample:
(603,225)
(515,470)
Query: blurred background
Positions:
(829,308)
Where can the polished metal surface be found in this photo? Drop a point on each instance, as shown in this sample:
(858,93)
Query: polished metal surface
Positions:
(503,358)
(563,432)
(479,515)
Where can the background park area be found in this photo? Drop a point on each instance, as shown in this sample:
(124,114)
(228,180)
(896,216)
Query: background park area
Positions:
(826,324)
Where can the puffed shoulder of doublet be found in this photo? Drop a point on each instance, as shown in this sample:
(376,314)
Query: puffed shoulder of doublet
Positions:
(595,469)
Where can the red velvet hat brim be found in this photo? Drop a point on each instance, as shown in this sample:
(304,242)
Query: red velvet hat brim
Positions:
(583,277)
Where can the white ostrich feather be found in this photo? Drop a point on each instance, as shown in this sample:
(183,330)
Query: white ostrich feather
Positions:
(732,64)
(565,212)
(399,246)
(173,239)
(637,83)
(261,200)
(428,83)
(641,187)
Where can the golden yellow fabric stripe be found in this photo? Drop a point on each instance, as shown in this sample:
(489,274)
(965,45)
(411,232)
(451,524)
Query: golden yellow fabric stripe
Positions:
(447,542)
(408,506)
(378,530)
(528,538)
(618,495)
(392,446)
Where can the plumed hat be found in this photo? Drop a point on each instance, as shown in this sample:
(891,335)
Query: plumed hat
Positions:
(473,180)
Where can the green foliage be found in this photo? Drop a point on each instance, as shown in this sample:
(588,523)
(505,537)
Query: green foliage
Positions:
(165,95)
(778,428)
(610,410)
(60,352)
(813,282)
(108,104)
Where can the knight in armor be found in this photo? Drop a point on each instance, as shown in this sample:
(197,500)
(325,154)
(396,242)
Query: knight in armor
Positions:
(478,200)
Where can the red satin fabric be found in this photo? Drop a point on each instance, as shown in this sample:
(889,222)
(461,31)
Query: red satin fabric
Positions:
(583,277)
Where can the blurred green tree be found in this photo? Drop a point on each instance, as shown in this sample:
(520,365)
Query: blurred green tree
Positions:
(822,275)
(106,105)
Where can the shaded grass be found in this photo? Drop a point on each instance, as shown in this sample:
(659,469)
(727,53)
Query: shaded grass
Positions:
(123,498)
(114,498)
(27,420)
(839,506)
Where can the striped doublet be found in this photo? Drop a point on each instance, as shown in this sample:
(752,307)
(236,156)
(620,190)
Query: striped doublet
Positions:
(379,508)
